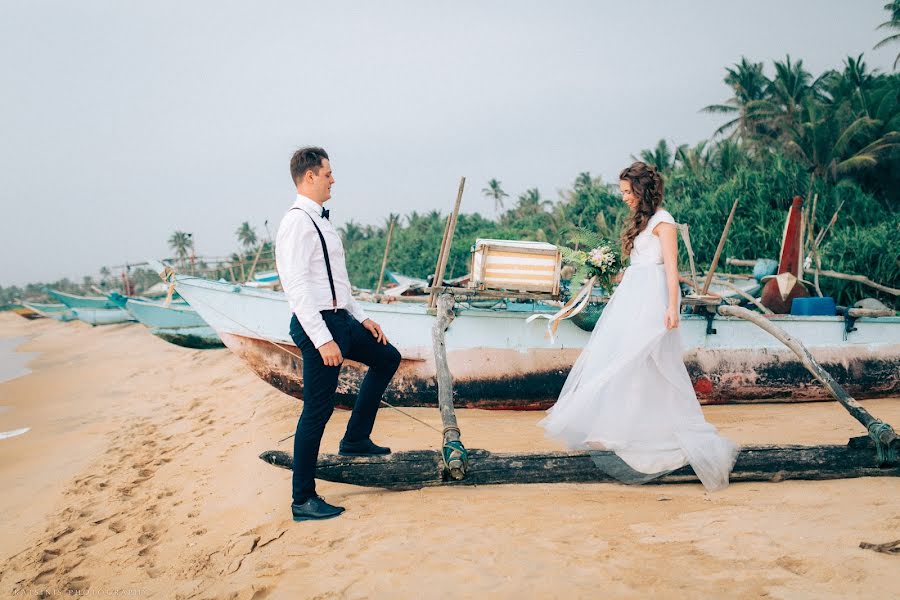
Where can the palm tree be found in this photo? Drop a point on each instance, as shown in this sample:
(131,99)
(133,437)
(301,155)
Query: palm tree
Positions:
(181,242)
(727,156)
(246,235)
(531,203)
(893,23)
(695,160)
(351,231)
(833,151)
(785,96)
(749,84)
(493,190)
(660,156)
(104,276)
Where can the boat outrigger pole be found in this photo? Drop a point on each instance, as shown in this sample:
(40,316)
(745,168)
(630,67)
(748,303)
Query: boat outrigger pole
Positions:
(887,444)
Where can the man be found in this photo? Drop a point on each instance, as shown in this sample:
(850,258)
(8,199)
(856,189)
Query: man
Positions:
(327,325)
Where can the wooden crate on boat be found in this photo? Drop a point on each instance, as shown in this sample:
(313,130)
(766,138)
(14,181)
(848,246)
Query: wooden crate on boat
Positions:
(515,265)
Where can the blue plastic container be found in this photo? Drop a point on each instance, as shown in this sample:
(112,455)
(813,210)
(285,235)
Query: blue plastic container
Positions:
(807,307)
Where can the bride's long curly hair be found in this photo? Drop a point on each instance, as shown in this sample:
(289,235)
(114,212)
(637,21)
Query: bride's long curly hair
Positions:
(647,186)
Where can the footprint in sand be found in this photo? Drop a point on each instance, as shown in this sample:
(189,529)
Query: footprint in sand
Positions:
(117,526)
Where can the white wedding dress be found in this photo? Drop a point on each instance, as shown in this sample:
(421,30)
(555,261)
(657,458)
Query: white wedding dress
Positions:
(629,391)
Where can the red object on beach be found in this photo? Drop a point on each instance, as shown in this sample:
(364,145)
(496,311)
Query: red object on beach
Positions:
(780,291)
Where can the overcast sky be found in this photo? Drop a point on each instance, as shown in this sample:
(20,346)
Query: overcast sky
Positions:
(122,121)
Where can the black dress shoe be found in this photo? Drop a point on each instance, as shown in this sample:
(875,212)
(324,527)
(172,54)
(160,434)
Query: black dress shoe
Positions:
(365,447)
(315,509)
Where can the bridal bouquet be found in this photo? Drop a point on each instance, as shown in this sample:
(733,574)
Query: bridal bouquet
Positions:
(603,261)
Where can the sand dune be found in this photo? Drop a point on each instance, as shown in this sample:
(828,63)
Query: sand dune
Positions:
(140,477)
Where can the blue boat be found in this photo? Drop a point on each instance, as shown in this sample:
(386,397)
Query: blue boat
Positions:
(76,301)
(58,312)
(102,316)
(176,323)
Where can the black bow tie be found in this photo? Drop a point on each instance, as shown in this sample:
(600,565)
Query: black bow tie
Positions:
(324,213)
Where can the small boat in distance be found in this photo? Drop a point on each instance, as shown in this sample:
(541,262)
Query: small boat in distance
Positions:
(76,301)
(26,313)
(102,316)
(58,312)
(176,323)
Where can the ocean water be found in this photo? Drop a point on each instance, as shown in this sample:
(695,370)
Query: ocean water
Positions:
(12,365)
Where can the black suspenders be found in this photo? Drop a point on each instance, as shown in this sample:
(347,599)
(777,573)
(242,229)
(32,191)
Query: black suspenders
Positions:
(325,253)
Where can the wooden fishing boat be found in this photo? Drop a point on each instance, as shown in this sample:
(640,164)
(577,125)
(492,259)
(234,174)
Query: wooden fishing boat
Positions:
(102,316)
(500,361)
(199,338)
(27,313)
(58,312)
(76,301)
(176,323)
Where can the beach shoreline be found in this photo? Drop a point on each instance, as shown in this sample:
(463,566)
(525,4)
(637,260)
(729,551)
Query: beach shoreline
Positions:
(140,475)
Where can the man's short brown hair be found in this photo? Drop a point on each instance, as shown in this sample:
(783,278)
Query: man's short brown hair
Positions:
(306,159)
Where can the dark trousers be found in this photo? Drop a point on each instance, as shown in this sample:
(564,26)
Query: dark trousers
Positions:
(320,382)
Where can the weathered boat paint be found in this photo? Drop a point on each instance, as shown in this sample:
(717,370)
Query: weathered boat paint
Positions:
(76,301)
(27,313)
(499,361)
(102,316)
(198,338)
(58,312)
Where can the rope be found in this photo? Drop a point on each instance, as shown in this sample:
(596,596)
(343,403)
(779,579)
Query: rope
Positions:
(572,308)
(283,349)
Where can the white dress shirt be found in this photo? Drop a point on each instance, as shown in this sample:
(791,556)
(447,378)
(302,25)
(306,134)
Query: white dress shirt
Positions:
(301,269)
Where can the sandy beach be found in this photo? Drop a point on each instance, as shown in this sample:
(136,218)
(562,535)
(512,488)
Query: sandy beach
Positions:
(139,477)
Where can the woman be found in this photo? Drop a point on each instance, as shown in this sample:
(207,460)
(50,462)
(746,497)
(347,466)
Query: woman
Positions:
(629,391)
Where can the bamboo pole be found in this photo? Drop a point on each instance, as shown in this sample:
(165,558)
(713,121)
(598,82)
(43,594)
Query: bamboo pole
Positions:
(255,260)
(831,223)
(431,296)
(387,248)
(880,431)
(727,284)
(715,261)
(446,244)
(740,262)
(814,249)
(859,279)
(453,452)
(686,236)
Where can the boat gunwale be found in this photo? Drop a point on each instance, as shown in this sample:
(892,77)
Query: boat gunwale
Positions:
(415,309)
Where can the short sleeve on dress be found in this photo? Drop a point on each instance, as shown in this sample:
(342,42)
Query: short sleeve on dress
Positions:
(661,216)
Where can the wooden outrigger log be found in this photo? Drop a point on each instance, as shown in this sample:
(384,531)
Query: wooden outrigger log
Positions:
(425,468)
(874,455)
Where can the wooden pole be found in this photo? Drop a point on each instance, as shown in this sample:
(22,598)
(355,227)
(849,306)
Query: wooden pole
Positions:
(859,279)
(727,284)
(446,244)
(715,261)
(431,296)
(740,262)
(831,223)
(255,259)
(453,452)
(880,431)
(387,248)
(686,236)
